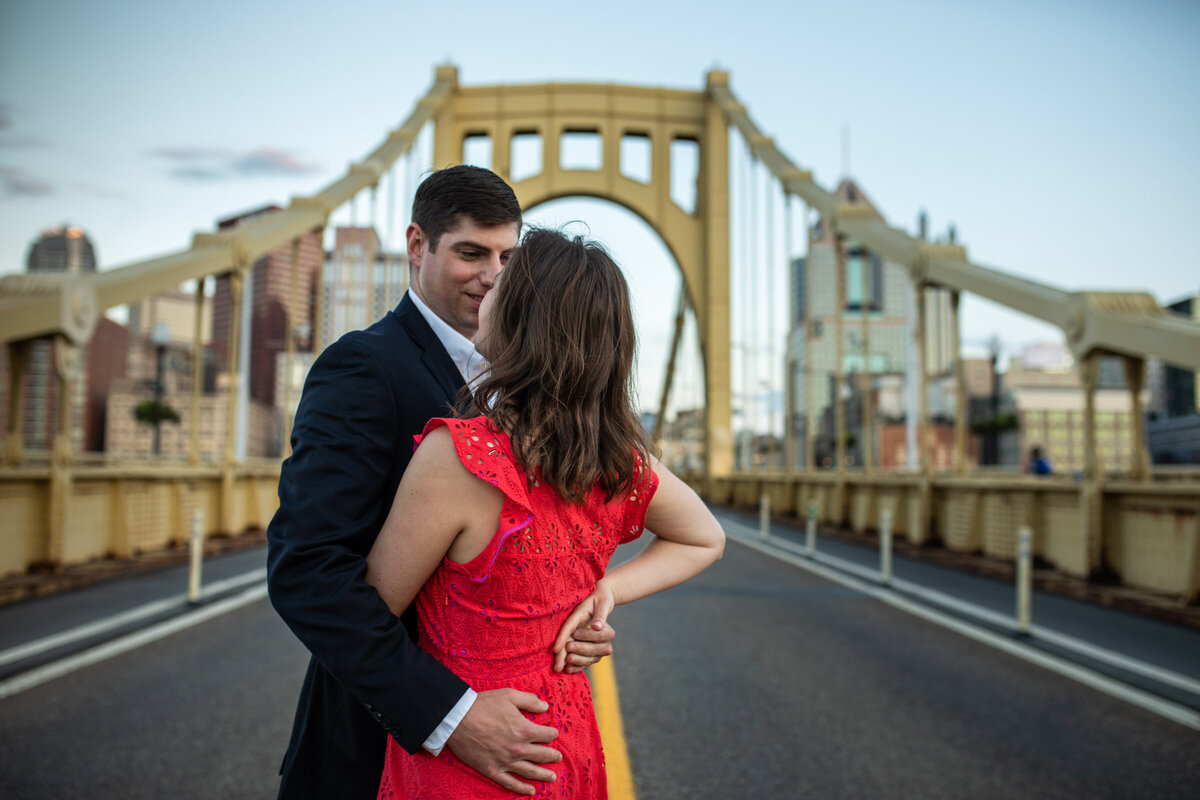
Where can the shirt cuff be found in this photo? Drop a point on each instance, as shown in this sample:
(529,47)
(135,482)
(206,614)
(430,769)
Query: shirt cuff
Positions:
(441,734)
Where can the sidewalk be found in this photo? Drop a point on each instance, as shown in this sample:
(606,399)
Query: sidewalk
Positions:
(1135,624)
(113,605)
(40,583)
(1134,601)
(1126,635)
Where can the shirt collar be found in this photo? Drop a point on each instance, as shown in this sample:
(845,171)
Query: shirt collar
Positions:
(462,352)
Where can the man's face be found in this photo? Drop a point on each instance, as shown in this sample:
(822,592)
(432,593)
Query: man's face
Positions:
(453,280)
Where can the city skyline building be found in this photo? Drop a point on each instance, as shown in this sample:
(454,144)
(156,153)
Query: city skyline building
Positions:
(1181,387)
(116,368)
(63,248)
(361,282)
(872,286)
(177,310)
(1048,395)
(126,438)
(1173,426)
(270,307)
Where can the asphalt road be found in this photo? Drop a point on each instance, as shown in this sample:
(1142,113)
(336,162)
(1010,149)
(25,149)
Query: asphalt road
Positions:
(757,679)
(204,713)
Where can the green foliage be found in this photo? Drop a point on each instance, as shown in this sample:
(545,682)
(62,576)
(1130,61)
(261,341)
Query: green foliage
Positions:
(152,412)
(997,424)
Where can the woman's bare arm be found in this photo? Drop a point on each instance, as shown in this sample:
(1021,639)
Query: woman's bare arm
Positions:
(439,508)
(688,539)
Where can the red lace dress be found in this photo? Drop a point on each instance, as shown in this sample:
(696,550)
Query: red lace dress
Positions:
(493,620)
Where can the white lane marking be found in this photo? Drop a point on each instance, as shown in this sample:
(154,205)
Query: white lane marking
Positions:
(66,637)
(1049,635)
(57,669)
(1145,700)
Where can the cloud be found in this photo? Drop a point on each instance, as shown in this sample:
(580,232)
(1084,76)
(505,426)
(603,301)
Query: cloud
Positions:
(191,154)
(211,163)
(198,174)
(24,143)
(16,142)
(269,161)
(104,193)
(16,182)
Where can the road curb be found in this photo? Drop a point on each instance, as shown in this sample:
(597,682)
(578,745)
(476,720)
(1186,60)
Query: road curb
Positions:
(1122,598)
(42,583)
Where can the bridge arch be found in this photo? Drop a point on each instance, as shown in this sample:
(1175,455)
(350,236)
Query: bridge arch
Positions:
(655,279)
(608,114)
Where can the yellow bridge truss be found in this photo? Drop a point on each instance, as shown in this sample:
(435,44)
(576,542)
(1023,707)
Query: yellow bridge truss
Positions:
(1124,323)
(1128,324)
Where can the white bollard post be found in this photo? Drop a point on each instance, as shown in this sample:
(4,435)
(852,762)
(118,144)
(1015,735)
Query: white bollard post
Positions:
(885,546)
(1024,579)
(197,557)
(764,516)
(810,530)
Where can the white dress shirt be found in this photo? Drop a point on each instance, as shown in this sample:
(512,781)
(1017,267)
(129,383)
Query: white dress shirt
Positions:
(462,352)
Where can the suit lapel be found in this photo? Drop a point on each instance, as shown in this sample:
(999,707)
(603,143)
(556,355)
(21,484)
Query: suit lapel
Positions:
(433,354)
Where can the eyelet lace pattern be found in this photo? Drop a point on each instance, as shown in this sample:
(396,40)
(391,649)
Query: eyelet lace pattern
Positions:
(493,620)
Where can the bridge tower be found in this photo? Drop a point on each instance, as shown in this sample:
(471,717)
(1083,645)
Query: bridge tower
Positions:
(49,508)
(698,239)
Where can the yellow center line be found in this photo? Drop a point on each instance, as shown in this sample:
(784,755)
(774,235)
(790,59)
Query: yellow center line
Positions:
(612,731)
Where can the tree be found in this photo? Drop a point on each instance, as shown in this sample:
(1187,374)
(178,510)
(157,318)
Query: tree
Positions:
(154,412)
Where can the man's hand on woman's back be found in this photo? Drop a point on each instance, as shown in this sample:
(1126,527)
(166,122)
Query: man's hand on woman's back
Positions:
(497,740)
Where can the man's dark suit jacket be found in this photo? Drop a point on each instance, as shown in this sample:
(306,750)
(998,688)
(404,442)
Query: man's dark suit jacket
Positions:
(364,399)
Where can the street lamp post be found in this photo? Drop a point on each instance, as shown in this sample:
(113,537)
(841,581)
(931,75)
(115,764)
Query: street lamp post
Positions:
(161,337)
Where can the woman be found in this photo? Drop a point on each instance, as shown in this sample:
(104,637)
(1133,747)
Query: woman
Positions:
(506,521)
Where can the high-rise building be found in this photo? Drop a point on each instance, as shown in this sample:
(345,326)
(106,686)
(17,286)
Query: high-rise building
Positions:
(176,312)
(1181,387)
(107,360)
(1049,398)
(65,248)
(873,287)
(126,438)
(175,309)
(361,283)
(1173,430)
(272,307)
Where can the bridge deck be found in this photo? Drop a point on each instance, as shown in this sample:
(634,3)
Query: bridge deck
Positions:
(759,678)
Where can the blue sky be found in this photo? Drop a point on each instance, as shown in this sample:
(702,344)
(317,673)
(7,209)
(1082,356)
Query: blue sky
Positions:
(1058,137)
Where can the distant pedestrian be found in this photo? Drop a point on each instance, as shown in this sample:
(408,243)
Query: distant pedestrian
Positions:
(1038,463)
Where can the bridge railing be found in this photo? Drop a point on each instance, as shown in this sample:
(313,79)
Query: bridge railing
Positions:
(1151,531)
(65,510)
(1140,529)
(44,304)
(1126,323)
(59,506)
(118,511)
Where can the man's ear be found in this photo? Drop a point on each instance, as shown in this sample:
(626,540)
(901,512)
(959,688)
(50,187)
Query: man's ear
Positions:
(417,242)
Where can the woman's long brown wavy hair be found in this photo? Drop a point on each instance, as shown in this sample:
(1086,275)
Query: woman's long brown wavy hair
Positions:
(561,340)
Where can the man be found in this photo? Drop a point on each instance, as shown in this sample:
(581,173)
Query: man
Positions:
(364,399)
(1039,464)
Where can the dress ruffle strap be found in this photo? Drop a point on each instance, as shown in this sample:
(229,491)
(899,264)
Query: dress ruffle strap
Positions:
(487,454)
(493,549)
